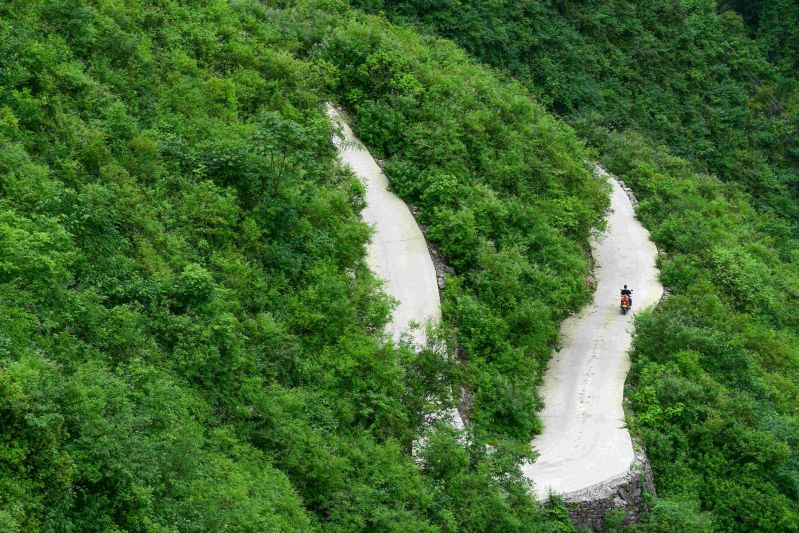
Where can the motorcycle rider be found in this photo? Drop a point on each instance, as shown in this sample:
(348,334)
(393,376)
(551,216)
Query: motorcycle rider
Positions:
(629,293)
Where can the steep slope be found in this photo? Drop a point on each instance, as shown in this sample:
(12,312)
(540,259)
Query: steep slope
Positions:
(585,440)
(190,336)
(687,109)
(502,189)
(713,383)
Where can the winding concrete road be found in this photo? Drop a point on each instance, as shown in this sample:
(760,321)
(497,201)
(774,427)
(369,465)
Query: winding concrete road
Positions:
(585,442)
(398,252)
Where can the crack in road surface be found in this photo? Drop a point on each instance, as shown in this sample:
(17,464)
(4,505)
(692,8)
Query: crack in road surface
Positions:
(585,441)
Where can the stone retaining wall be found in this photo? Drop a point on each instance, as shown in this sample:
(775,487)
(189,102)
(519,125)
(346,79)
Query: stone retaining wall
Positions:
(589,508)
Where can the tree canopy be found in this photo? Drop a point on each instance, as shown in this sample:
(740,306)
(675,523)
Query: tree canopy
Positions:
(189,334)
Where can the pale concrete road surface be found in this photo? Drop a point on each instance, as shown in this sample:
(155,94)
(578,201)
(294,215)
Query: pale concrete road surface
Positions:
(585,442)
(398,252)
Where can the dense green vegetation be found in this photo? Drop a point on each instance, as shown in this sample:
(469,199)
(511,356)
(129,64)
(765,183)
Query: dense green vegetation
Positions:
(694,106)
(190,339)
(774,24)
(681,73)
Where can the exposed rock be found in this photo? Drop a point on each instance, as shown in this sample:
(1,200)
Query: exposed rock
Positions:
(439,261)
(629,192)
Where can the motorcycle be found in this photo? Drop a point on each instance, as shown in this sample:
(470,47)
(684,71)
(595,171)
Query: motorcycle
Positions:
(625,304)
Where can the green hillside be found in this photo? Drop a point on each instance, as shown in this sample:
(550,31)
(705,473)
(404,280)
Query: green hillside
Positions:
(696,107)
(190,338)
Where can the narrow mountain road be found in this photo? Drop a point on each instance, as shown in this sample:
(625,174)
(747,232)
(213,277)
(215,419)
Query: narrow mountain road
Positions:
(398,252)
(585,442)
